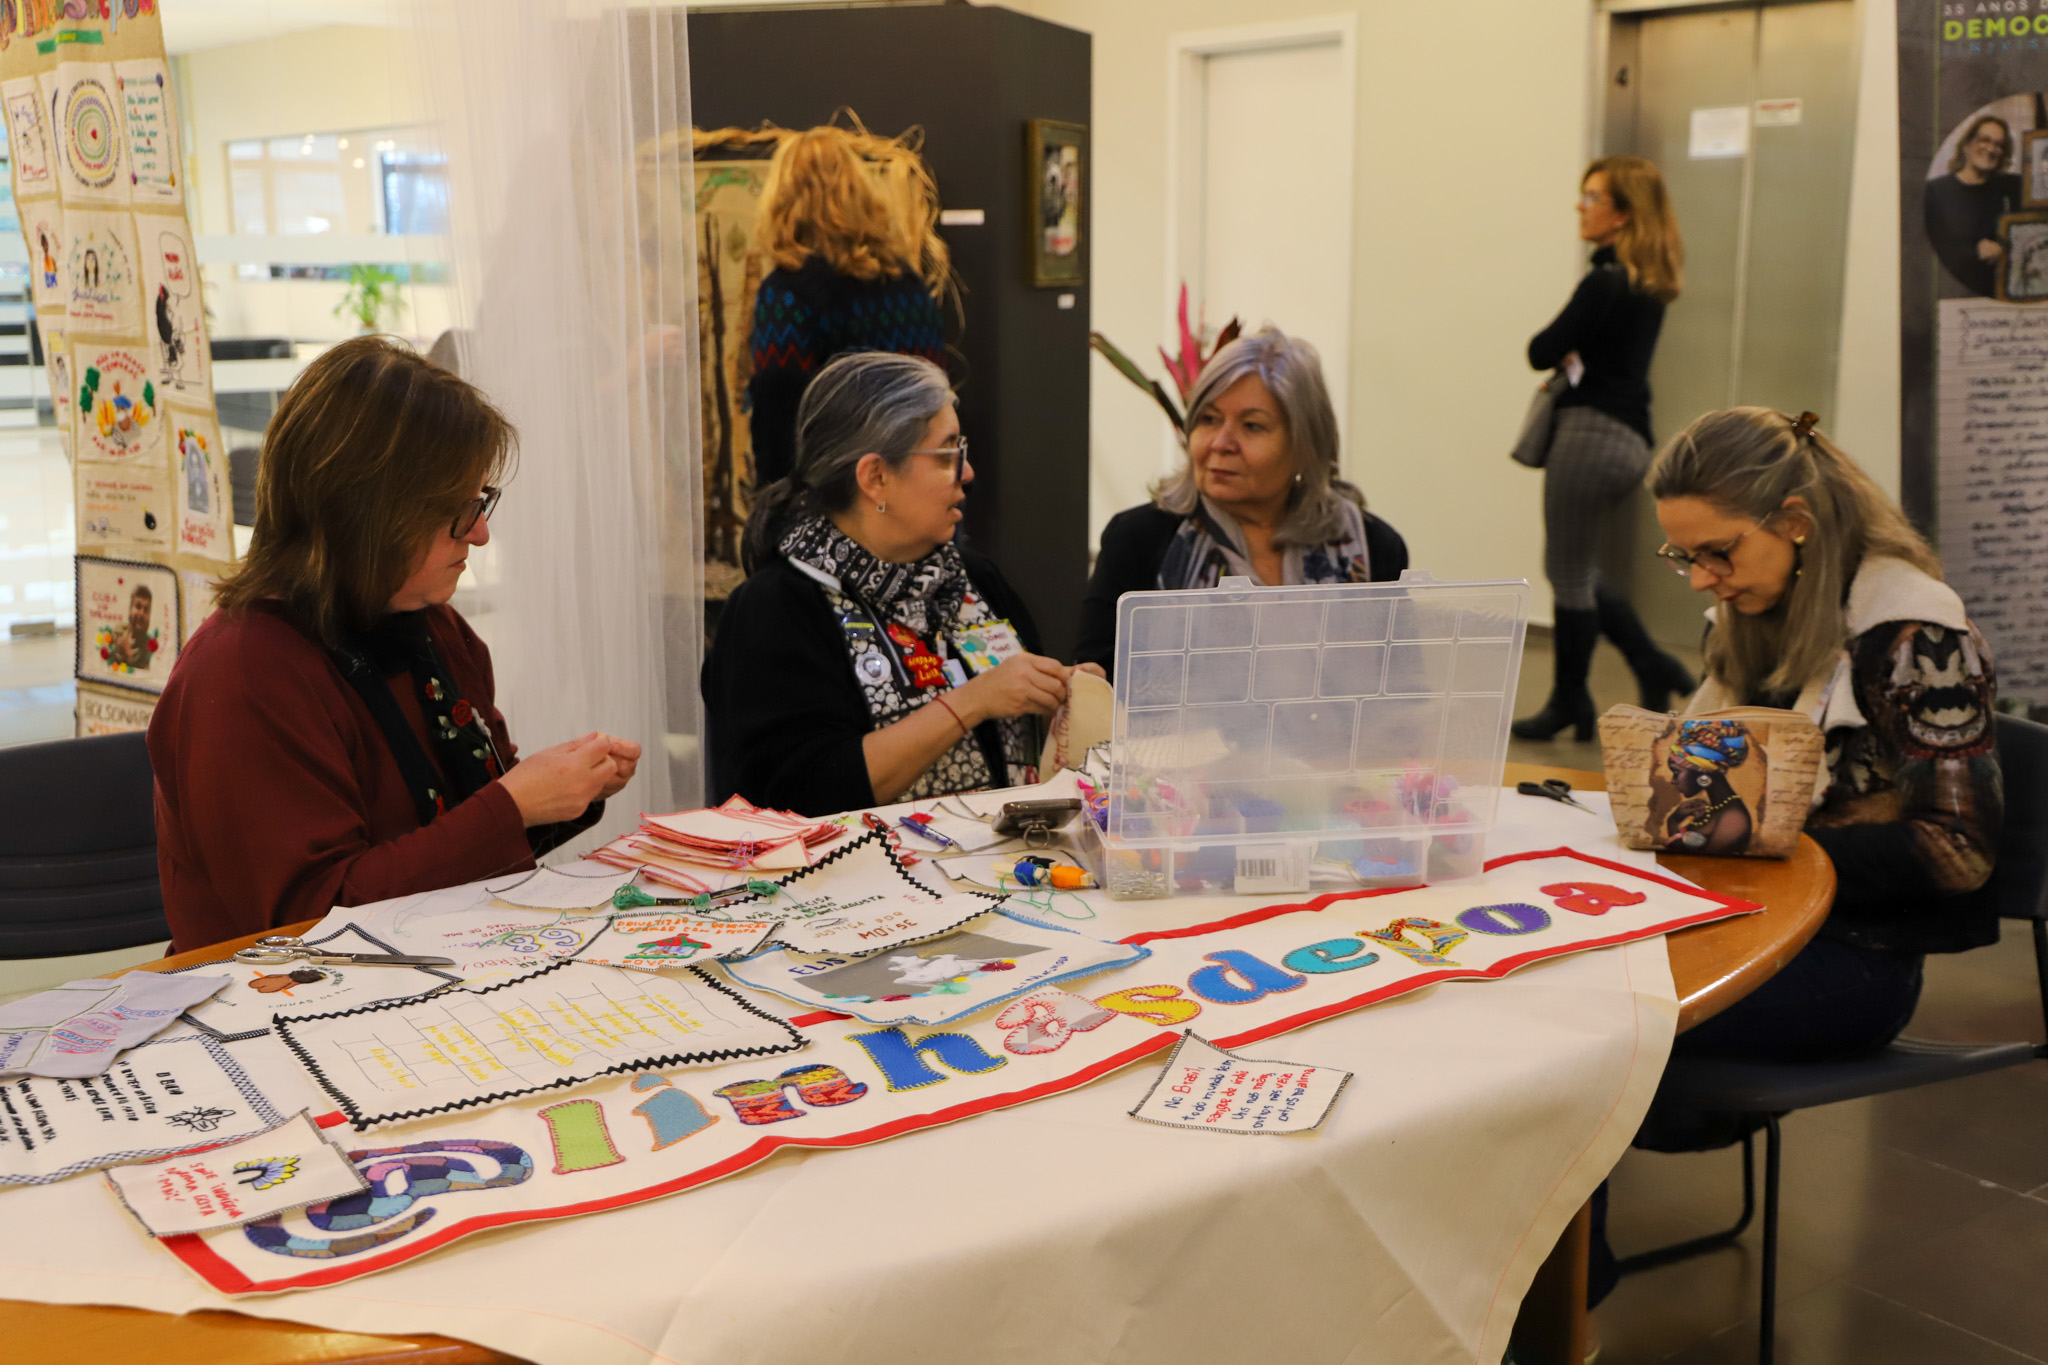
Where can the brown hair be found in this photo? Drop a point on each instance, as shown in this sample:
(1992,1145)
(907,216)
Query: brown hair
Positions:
(1961,156)
(373,450)
(1746,462)
(867,204)
(1650,247)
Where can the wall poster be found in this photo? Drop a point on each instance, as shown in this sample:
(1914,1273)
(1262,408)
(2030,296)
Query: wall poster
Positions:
(1973,173)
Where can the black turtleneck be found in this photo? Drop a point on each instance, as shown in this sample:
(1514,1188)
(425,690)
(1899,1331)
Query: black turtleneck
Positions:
(1614,329)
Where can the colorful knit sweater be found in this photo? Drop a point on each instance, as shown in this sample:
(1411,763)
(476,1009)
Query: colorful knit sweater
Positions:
(805,317)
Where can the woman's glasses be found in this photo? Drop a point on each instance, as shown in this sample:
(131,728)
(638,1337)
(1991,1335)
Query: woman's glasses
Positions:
(1718,560)
(956,453)
(474,511)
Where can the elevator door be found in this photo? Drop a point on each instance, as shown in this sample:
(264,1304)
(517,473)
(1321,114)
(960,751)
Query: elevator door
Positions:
(1749,111)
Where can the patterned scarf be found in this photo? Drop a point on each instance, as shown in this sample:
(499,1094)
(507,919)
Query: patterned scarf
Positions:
(462,741)
(898,621)
(1210,546)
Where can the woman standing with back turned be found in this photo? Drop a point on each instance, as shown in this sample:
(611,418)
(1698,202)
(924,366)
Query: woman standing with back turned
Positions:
(1600,448)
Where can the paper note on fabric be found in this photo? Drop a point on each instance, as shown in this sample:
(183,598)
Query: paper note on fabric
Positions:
(168,1095)
(1204,1087)
(939,980)
(262,1176)
(650,941)
(554,888)
(554,1027)
(859,900)
(78,1028)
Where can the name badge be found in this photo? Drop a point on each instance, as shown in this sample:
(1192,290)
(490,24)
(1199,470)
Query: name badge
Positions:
(987,645)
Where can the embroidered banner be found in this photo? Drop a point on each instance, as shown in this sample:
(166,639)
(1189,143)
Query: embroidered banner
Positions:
(634,1137)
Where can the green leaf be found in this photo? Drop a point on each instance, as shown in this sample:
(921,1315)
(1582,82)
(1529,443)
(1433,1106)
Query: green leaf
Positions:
(149,395)
(1124,365)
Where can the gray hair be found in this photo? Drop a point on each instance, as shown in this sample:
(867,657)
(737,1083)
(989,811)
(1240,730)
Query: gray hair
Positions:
(1745,462)
(1293,373)
(863,403)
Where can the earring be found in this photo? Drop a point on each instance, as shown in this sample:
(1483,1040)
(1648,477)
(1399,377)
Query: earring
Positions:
(1799,540)
(883,508)
(1798,555)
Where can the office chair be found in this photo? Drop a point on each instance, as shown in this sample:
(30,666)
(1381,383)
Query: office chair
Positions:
(78,848)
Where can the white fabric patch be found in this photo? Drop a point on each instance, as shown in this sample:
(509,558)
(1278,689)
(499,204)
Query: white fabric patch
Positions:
(270,1173)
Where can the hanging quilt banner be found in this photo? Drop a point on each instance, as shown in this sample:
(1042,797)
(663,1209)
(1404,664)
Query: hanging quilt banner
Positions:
(640,1134)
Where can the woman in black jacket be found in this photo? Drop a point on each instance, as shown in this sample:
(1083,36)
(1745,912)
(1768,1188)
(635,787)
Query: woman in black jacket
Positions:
(1600,449)
(867,658)
(1258,497)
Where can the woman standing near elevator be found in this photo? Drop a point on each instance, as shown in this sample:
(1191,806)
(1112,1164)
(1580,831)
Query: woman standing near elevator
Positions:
(1600,447)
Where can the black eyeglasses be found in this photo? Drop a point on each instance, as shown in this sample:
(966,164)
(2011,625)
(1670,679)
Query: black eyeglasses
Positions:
(472,512)
(959,454)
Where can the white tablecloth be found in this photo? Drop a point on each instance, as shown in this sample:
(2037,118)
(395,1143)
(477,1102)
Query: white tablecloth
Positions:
(1406,1230)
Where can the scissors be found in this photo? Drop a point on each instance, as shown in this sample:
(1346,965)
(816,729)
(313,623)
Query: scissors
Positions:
(284,948)
(1556,789)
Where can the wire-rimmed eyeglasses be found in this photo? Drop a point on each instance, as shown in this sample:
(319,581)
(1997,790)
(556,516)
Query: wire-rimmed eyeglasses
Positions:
(958,454)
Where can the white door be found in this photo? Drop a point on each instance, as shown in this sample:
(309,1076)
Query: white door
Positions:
(1272,202)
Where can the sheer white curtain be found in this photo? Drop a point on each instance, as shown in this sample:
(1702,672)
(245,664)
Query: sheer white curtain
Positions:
(566,126)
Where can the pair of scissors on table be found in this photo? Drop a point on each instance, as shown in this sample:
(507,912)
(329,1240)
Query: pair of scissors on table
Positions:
(1556,789)
(283,948)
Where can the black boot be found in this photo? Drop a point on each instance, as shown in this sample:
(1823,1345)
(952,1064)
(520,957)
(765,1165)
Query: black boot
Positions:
(1658,675)
(1570,704)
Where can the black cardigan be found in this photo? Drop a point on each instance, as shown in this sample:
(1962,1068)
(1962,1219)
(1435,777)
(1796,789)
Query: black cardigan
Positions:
(784,714)
(1133,545)
(1614,329)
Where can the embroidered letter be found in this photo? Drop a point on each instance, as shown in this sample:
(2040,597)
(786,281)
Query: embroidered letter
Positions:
(400,1177)
(1331,955)
(1591,898)
(1442,938)
(1043,1022)
(582,1142)
(1259,978)
(1160,1005)
(763,1101)
(1513,918)
(901,1061)
(671,1114)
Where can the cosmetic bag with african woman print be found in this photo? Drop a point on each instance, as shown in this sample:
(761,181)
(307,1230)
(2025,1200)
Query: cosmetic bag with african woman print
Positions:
(1731,784)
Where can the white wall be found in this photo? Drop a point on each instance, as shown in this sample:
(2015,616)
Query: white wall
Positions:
(337,79)
(1474,121)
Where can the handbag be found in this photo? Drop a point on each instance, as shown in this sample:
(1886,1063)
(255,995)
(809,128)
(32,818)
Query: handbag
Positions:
(1736,783)
(1532,447)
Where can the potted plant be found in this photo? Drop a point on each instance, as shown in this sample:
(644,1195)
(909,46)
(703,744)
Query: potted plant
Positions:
(1185,369)
(372,289)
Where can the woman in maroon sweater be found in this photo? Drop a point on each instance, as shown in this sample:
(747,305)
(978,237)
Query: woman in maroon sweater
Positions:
(329,735)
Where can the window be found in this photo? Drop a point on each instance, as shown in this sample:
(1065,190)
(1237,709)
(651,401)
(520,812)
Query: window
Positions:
(388,180)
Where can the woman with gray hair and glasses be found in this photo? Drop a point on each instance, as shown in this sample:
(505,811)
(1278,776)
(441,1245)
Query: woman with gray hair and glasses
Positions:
(867,658)
(1259,495)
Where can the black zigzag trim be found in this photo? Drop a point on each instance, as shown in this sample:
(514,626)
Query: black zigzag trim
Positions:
(361,1122)
(775,940)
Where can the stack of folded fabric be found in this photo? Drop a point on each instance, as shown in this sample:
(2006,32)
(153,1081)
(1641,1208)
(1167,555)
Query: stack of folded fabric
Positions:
(704,850)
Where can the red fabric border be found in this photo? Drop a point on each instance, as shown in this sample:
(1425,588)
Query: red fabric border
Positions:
(223,1276)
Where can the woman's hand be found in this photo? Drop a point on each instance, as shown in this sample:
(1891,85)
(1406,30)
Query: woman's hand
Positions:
(559,783)
(1093,670)
(625,760)
(1024,685)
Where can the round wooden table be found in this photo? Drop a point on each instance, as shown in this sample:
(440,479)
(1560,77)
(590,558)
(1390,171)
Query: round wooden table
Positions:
(1712,966)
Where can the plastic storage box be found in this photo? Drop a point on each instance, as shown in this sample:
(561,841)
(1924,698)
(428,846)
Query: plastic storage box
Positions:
(1265,737)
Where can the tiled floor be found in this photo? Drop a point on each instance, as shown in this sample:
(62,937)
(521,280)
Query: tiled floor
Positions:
(1915,1225)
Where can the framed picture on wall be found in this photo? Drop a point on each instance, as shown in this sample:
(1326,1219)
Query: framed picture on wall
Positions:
(2034,168)
(1055,168)
(2023,274)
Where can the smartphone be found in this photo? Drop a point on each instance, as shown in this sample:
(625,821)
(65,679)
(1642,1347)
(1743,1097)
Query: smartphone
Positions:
(1036,817)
